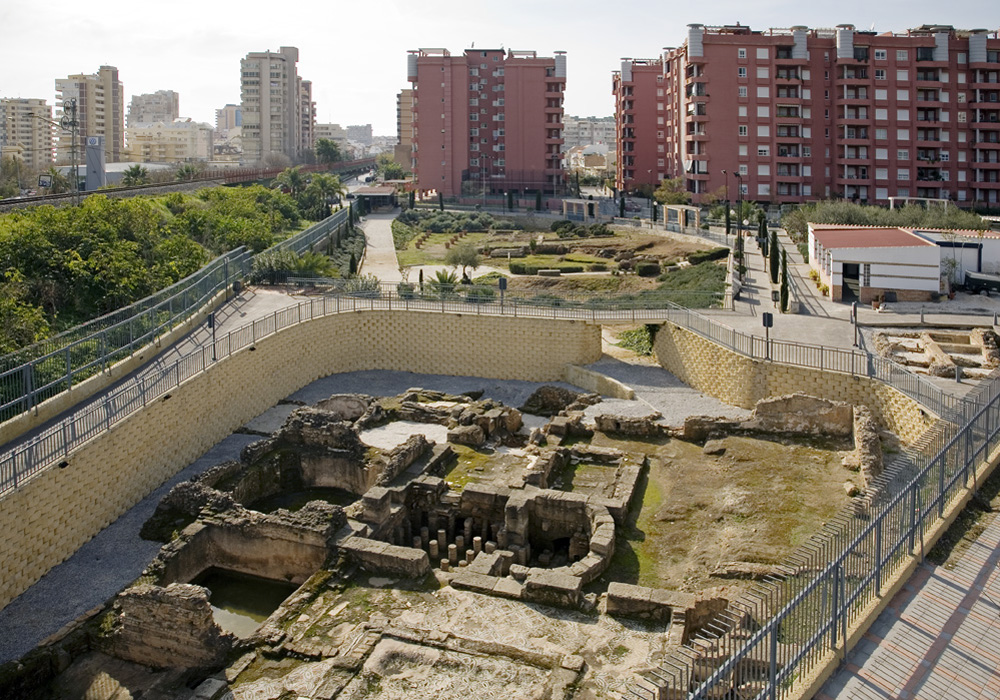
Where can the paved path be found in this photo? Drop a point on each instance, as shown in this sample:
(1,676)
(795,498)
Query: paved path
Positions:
(380,254)
(938,639)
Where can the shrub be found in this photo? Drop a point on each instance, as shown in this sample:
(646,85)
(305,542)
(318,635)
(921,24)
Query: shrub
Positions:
(405,290)
(560,224)
(647,269)
(597,267)
(700,256)
(480,294)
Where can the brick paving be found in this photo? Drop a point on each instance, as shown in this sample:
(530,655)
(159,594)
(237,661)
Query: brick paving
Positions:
(938,639)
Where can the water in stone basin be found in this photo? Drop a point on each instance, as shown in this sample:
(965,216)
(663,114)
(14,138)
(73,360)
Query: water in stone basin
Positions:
(295,500)
(390,435)
(241,602)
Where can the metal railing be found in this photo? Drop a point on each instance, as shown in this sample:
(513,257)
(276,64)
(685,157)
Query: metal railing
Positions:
(785,627)
(40,371)
(56,442)
(43,370)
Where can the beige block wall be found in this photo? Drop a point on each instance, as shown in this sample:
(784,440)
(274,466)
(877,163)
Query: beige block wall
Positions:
(52,515)
(740,381)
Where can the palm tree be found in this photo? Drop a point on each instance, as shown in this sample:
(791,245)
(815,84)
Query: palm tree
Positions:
(135,175)
(187,172)
(60,183)
(327,151)
(291,179)
(325,187)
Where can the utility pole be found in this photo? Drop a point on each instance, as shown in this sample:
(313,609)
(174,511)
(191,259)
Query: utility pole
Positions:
(71,124)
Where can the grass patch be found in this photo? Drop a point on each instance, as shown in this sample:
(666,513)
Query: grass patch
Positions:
(638,340)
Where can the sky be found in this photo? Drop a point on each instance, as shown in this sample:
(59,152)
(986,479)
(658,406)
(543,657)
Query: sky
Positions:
(355,52)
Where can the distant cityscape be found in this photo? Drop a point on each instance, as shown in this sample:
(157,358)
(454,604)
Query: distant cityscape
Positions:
(780,116)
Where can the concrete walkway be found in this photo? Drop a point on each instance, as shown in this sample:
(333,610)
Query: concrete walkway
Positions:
(939,638)
(380,254)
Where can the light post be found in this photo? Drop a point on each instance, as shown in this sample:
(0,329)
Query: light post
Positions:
(69,123)
(725,176)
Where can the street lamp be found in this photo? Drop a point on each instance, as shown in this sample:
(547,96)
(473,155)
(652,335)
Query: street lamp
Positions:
(725,176)
(69,123)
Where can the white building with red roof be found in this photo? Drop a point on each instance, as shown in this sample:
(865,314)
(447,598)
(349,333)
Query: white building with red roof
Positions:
(864,263)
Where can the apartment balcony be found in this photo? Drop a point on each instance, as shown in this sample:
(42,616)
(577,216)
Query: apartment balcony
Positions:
(983,97)
(928,76)
(787,77)
(929,136)
(987,164)
(554,141)
(986,140)
(853,76)
(788,155)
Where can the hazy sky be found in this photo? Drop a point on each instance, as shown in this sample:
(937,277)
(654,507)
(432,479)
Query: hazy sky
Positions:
(355,52)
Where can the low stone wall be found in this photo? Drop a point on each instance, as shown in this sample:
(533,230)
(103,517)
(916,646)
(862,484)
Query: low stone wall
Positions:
(384,558)
(167,628)
(596,382)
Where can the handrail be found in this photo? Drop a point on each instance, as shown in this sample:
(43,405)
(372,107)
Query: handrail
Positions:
(57,441)
(52,366)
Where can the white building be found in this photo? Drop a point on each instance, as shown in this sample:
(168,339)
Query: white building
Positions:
(26,131)
(179,141)
(864,263)
(278,114)
(159,106)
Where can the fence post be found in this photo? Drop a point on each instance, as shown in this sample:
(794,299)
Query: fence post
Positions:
(878,555)
(835,606)
(943,459)
(772,671)
(69,370)
(29,384)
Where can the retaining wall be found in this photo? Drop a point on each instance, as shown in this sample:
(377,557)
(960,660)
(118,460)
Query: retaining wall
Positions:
(741,381)
(52,515)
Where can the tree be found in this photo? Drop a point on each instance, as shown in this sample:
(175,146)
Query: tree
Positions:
(135,175)
(672,191)
(188,172)
(621,207)
(773,257)
(328,151)
(60,183)
(783,295)
(388,169)
(465,255)
(321,191)
(10,185)
(291,180)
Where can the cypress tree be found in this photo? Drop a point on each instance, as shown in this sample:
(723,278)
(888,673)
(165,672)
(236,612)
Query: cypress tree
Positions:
(773,257)
(729,216)
(538,200)
(441,201)
(621,208)
(784,281)
(352,266)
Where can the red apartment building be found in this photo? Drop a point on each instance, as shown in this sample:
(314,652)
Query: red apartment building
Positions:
(801,114)
(487,120)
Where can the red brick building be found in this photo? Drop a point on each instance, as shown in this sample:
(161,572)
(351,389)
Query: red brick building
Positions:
(487,119)
(804,114)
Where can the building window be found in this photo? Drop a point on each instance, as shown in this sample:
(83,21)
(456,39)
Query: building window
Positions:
(866,274)
(762,73)
(903,154)
(743,130)
(741,53)
(881,173)
(743,169)
(902,115)
(902,95)
(764,170)
(762,53)
(763,111)
(742,91)
(902,75)
(881,55)
(881,114)
(742,110)
(741,72)
(763,92)
(901,55)
(903,174)
(879,75)
(764,151)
